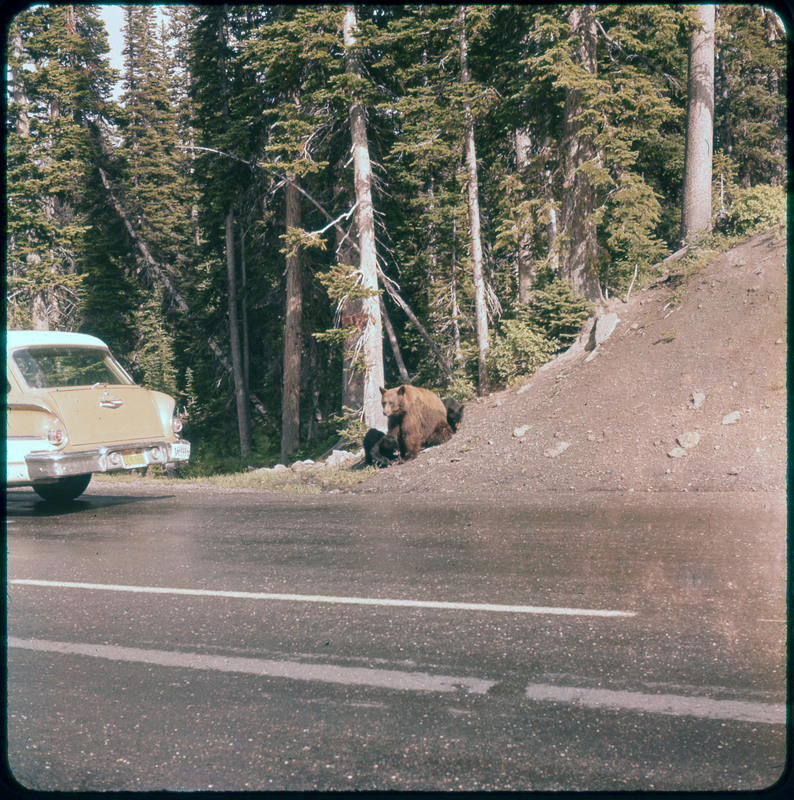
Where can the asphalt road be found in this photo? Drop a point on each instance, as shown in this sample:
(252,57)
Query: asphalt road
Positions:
(190,638)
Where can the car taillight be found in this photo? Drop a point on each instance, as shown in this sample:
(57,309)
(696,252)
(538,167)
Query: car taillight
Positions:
(57,436)
(176,424)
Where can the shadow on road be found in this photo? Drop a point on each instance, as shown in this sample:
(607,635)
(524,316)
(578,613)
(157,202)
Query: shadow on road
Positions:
(28,504)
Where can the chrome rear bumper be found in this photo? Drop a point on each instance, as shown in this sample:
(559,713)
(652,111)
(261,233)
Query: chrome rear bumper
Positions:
(106,458)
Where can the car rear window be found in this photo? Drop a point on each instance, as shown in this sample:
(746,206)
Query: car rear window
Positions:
(54,367)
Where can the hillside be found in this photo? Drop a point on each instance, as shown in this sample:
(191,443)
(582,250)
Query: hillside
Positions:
(687,356)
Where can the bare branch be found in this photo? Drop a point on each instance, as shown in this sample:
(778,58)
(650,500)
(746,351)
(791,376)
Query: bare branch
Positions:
(180,301)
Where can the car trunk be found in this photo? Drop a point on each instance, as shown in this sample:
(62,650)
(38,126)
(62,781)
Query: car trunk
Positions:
(95,415)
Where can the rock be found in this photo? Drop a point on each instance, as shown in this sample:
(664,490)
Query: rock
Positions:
(729,419)
(520,431)
(280,468)
(677,452)
(698,398)
(307,464)
(339,458)
(553,452)
(689,439)
(603,328)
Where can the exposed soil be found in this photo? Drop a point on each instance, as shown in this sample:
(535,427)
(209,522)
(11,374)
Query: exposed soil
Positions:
(621,410)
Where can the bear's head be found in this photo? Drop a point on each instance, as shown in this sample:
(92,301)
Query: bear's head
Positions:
(392,401)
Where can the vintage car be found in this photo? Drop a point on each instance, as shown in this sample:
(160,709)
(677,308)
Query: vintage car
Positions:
(72,410)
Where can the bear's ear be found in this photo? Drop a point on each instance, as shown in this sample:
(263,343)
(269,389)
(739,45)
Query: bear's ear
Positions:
(382,390)
(401,390)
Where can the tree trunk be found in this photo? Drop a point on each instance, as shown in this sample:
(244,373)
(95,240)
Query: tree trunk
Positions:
(243,417)
(244,316)
(578,262)
(696,217)
(454,297)
(18,86)
(480,310)
(290,388)
(349,313)
(395,347)
(372,332)
(526,261)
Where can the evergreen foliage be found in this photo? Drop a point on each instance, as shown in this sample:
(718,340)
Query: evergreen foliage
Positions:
(221,106)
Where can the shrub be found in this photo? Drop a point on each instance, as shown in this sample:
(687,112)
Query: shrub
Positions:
(462,387)
(555,310)
(517,350)
(757,208)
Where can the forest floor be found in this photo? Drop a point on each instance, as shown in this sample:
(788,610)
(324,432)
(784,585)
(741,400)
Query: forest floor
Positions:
(697,360)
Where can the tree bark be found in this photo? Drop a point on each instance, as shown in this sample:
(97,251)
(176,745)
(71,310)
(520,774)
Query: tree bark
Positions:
(243,418)
(578,262)
(372,326)
(290,388)
(696,216)
(454,297)
(480,310)
(526,261)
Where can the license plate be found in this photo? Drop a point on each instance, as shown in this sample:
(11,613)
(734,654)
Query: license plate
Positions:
(181,451)
(133,458)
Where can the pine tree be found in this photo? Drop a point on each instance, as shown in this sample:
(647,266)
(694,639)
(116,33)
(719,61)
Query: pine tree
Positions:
(59,108)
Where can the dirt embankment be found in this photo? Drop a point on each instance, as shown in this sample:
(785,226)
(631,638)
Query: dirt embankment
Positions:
(687,394)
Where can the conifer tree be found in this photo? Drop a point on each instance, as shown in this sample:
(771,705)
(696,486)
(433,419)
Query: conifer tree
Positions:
(60,89)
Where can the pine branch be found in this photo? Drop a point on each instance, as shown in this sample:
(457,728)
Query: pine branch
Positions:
(615,43)
(284,179)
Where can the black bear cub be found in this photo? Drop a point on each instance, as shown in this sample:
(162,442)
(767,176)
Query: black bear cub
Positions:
(380,449)
(454,412)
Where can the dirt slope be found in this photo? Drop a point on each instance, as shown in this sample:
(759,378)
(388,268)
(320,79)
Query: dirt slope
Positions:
(621,411)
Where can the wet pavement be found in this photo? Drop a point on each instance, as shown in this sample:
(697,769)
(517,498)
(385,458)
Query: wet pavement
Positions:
(182,637)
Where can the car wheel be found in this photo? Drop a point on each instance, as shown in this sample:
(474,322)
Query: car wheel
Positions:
(64,490)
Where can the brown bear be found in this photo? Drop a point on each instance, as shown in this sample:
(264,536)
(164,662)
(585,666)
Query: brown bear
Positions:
(417,418)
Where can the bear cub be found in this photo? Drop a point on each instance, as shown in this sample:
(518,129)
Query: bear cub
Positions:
(454,413)
(380,449)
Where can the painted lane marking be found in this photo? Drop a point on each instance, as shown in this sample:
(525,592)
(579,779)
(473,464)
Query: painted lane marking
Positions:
(668,704)
(673,704)
(302,598)
(326,673)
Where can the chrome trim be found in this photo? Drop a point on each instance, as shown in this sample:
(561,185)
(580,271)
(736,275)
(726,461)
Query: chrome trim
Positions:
(110,402)
(48,466)
(31,404)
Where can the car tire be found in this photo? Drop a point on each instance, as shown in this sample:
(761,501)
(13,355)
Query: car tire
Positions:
(64,490)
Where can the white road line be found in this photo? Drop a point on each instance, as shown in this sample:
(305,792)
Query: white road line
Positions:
(673,704)
(303,598)
(327,673)
(669,704)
